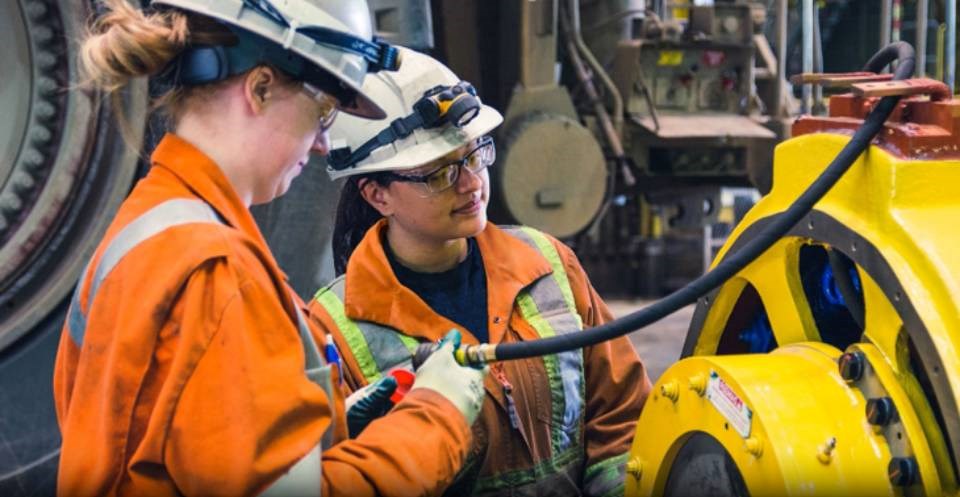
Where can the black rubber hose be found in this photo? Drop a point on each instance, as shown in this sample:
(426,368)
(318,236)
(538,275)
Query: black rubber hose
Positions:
(781,224)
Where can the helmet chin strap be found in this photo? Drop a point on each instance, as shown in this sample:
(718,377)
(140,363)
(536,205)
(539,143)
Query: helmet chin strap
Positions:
(455,105)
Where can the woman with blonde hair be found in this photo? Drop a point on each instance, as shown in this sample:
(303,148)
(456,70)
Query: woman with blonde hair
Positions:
(418,255)
(186,366)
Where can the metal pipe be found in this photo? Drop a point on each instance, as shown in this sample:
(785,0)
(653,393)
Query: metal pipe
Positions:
(886,10)
(806,15)
(781,27)
(921,44)
(896,20)
(603,118)
(597,68)
(951,69)
(817,61)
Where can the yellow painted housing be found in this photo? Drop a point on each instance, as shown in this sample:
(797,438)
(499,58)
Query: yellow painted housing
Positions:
(898,221)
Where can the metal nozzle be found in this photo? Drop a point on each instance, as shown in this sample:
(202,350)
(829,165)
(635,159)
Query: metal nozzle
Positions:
(475,356)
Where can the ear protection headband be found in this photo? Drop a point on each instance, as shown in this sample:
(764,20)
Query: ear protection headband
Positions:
(456,105)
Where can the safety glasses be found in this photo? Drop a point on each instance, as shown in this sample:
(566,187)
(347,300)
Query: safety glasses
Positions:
(447,175)
(328,105)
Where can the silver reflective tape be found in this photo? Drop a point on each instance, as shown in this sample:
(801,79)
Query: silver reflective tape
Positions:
(167,215)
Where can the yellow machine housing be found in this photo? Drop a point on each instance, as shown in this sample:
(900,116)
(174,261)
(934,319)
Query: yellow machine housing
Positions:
(786,388)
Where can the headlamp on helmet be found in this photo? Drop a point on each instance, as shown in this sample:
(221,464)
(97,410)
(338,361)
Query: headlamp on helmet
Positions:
(455,105)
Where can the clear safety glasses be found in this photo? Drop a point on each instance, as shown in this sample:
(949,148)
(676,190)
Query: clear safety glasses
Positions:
(328,105)
(447,175)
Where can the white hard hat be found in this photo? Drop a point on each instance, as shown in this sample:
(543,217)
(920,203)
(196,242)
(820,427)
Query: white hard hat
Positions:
(328,43)
(431,112)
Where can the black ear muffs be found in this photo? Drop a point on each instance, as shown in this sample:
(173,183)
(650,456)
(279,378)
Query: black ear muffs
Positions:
(202,64)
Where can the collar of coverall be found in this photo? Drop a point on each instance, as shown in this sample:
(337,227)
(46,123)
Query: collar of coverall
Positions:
(373,292)
(205,178)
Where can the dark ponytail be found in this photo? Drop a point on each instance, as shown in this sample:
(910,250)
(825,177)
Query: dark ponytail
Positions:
(355,216)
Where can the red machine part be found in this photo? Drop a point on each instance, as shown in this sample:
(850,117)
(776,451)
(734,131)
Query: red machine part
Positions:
(925,124)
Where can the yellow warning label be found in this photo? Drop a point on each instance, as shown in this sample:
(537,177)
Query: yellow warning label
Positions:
(670,58)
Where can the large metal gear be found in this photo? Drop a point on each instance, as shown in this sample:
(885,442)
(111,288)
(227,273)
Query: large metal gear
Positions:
(64,171)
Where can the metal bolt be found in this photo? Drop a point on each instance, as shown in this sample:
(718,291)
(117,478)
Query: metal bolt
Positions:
(36,10)
(23,183)
(45,60)
(32,159)
(880,411)
(42,34)
(825,453)
(754,446)
(635,468)
(47,86)
(902,471)
(40,135)
(45,111)
(852,365)
(698,383)
(10,204)
(670,390)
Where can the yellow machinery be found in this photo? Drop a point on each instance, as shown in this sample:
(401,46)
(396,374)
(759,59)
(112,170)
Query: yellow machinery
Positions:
(831,364)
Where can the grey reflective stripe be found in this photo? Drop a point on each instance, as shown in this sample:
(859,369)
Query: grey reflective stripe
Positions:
(311,350)
(164,216)
(387,347)
(302,479)
(318,371)
(555,315)
(389,351)
(549,300)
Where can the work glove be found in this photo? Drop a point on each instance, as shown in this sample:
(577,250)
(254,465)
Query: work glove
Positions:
(369,403)
(461,385)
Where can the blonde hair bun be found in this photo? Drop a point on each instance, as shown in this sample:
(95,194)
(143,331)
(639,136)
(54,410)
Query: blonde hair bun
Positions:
(126,43)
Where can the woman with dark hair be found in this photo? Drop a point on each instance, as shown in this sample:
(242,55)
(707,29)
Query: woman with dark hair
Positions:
(187,366)
(416,254)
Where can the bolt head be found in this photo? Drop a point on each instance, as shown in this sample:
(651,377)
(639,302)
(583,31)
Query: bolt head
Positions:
(902,471)
(852,365)
(880,411)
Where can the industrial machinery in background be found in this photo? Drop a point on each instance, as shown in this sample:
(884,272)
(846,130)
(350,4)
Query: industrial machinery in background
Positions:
(622,126)
(64,169)
(831,364)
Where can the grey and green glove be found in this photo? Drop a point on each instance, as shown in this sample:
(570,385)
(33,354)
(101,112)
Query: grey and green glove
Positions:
(461,385)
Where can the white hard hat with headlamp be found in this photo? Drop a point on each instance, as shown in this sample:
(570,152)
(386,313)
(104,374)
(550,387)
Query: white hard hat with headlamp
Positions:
(431,112)
(325,43)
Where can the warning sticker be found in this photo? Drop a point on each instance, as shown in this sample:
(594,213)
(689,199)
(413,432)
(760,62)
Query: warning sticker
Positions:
(729,404)
(670,58)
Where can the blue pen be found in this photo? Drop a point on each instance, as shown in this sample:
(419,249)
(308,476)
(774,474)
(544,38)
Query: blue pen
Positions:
(331,354)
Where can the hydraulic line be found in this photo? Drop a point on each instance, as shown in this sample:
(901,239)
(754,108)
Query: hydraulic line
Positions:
(902,52)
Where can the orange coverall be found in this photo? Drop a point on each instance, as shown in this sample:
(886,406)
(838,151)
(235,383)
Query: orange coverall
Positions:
(616,381)
(190,377)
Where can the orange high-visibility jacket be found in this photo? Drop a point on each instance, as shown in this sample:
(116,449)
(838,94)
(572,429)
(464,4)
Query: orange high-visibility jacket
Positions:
(506,460)
(188,377)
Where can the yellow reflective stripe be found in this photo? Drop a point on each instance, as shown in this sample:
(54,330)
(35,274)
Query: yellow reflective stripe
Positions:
(530,313)
(353,335)
(549,251)
(410,342)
